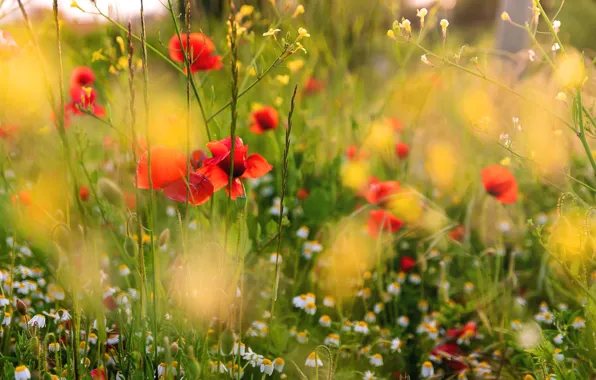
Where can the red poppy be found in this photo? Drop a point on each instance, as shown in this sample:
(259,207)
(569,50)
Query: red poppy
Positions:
(302,194)
(8,131)
(313,86)
(383,221)
(217,168)
(168,173)
(23,197)
(458,233)
(406,264)
(451,352)
(8,46)
(397,124)
(84,193)
(379,192)
(110,303)
(83,99)
(196,158)
(264,119)
(353,153)
(98,374)
(82,76)
(402,150)
(201,49)
(500,183)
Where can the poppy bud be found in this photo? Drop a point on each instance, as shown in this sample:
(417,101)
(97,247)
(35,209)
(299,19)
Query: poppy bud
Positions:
(227,342)
(164,237)
(110,191)
(84,193)
(402,150)
(174,348)
(21,307)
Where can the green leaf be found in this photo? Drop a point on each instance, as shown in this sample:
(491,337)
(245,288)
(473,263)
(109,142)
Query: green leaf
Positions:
(316,206)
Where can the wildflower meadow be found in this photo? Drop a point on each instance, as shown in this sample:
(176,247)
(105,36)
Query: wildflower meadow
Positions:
(297,189)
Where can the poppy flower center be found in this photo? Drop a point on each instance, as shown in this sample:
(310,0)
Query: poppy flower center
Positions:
(239,167)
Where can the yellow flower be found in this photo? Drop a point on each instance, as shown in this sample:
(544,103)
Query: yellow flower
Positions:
(246,10)
(444,24)
(421,14)
(283,79)
(271,32)
(505,16)
(295,65)
(299,10)
(98,56)
(391,34)
(505,161)
(302,33)
(406,25)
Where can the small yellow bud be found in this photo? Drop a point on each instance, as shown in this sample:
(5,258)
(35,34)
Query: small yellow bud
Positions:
(295,65)
(299,10)
(391,34)
(444,24)
(561,96)
(246,10)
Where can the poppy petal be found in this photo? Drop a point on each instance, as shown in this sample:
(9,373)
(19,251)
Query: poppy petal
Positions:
(257,129)
(217,148)
(237,189)
(167,165)
(501,183)
(219,179)
(199,189)
(256,166)
(383,221)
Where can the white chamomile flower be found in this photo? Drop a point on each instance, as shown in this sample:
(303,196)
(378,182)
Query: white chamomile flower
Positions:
(313,360)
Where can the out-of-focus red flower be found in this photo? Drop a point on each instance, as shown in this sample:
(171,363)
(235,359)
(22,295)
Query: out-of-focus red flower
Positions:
(402,150)
(84,193)
(406,264)
(458,233)
(131,200)
(107,142)
(396,124)
(378,192)
(168,173)
(217,168)
(201,49)
(353,153)
(110,303)
(302,194)
(82,76)
(264,119)
(451,352)
(98,374)
(8,46)
(23,197)
(500,183)
(383,221)
(8,131)
(313,86)
(196,158)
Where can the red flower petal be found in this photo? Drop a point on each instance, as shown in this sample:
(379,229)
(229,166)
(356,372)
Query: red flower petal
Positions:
(167,165)
(402,150)
(219,179)
(265,119)
(199,189)
(257,129)
(200,51)
(406,264)
(500,182)
(378,192)
(82,76)
(256,166)
(383,221)
(237,189)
